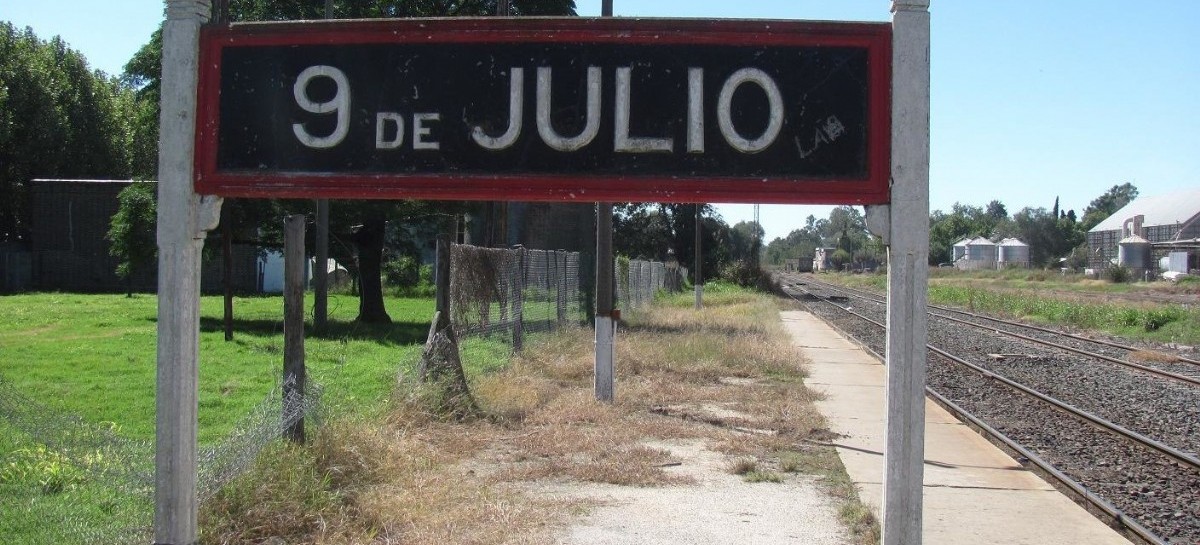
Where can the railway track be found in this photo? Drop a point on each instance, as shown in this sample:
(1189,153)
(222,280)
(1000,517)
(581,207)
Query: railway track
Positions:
(1152,360)
(1103,442)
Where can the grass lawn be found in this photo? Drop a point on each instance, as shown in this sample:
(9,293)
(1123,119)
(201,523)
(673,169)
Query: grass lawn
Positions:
(94,355)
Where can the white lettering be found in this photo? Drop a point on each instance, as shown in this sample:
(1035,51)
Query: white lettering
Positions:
(695,119)
(381,120)
(420,131)
(622,142)
(339,104)
(516,94)
(591,124)
(725,116)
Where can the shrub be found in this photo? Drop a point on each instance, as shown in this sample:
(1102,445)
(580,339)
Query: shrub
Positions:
(749,274)
(1154,319)
(1118,274)
(402,271)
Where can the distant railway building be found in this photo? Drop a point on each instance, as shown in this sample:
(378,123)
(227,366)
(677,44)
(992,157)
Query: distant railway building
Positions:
(1150,236)
(823,259)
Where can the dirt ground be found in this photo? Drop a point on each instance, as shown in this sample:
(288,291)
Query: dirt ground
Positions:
(716,507)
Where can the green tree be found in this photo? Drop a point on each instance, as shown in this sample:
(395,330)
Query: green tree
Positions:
(643,231)
(746,241)
(58,119)
(799,244)
(131,232)
(650,230)
(1049,237)
(1105,205)
(965,221)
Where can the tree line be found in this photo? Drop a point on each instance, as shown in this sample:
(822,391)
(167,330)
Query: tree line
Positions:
(59,118)
(1056,237)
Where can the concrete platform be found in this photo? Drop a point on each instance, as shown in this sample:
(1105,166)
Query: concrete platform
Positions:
(973,492)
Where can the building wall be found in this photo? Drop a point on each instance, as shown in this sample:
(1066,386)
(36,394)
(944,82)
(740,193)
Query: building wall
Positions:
(69,252)
(1103,245)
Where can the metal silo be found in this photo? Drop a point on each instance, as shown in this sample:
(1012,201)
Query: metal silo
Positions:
(981,254)
(1011,252)
(960,249)
(1133,252)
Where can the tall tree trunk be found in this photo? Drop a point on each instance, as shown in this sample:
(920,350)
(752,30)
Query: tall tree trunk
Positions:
(369,241)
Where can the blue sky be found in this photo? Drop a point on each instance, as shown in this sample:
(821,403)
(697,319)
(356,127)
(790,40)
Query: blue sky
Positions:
(1031,100)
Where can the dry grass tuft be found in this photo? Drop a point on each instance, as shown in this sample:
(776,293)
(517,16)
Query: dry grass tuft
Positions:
(743,465)
(1152,356)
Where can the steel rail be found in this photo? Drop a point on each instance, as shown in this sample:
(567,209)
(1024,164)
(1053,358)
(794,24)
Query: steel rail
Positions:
(1116,518)
(1113,427)
(1144,368)
(1112,344)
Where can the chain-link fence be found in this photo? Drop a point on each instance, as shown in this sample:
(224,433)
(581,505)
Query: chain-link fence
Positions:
(638,281)
(505,293)
(78,482)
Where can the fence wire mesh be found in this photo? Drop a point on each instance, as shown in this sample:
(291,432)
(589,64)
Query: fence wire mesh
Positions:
(638,281)
(505,293)
(80,482)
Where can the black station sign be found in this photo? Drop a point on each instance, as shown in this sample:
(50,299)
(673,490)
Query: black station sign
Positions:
(547,109)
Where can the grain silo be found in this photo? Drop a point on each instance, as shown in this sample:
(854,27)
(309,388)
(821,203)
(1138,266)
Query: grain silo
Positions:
(981,254)
(959,250)
(1011,252)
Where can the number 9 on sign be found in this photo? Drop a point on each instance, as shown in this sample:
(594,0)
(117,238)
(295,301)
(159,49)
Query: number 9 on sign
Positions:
(339,104)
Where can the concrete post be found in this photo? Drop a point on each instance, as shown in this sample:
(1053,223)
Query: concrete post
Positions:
(183,219)
(908,273)
(605,328)
(699,285)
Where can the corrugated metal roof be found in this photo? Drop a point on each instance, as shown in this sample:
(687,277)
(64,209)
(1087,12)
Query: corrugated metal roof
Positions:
(963,242)
(1012,242)
(980,241)
(1169,209)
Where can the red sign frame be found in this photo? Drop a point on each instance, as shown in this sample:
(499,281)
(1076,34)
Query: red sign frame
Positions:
(871,189)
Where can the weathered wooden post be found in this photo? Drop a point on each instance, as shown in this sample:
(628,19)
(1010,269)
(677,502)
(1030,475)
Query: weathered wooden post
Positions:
(183,219)
(908,272)
(518,292)
(441,278)
(294,378)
